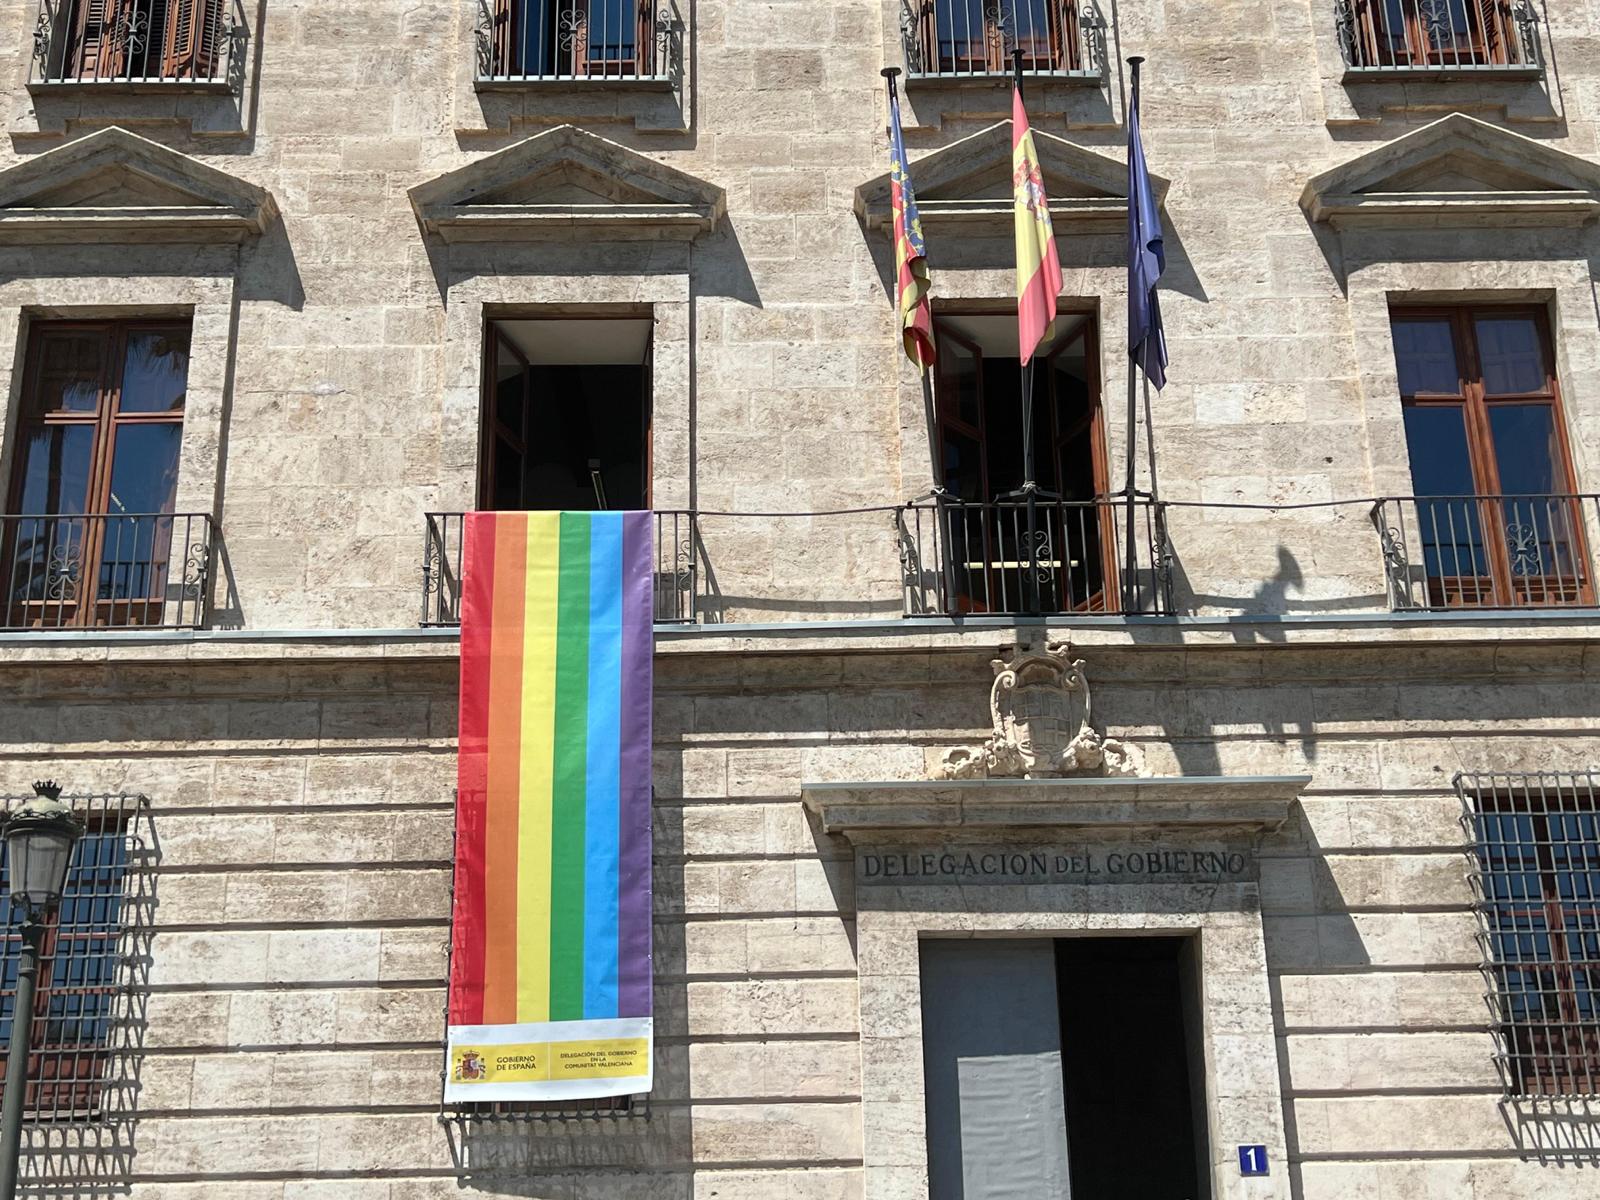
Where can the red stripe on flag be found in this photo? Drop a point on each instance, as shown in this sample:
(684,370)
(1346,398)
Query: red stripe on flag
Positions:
(472,777)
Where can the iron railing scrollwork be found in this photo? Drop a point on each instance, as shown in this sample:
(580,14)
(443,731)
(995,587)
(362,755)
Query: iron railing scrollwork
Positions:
(955,39)
(1438,36)
(679,575)
(144,42)
(524,41)
(105,570)
(964,558)
(1442,552)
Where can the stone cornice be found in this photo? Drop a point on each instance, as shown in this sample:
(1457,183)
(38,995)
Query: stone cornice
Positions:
(1493,179)
(53,198)
(562,182)
(1244,804)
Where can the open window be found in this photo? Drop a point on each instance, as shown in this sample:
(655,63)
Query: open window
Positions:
(566,414)
(1495,512)
(130,41)
(571,39)
(1423,34)
(980,416)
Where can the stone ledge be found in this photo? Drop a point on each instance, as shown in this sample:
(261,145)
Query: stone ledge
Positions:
(1245,804)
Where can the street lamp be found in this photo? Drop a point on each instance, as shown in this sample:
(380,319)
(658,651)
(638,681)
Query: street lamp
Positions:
(39,838)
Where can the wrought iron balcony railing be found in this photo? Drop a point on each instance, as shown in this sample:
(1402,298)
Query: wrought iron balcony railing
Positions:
(956,39)
(679,574)
(1389,38)
(528,41)
(1443,552)
(145,43)
(114,571)
(1051,557)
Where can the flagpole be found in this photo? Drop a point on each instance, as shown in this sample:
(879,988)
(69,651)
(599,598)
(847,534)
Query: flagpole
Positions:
(1130,584)
(1030,486)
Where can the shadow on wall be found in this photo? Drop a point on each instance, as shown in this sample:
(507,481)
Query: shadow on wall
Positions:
(79,1139)
(648,1151)
(1310,926)
(1554,1130)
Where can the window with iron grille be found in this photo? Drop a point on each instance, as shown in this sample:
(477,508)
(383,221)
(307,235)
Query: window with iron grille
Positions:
(1537,884)
(526,40)
(130,41)
(81,1064)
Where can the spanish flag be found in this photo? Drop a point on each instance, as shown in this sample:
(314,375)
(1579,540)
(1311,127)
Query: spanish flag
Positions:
(1038,268)
(912,284)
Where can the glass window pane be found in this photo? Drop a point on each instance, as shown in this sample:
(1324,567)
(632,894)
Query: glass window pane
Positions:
(1526,451)
(144,467)
(1436,440)
(55,466)
(612,31)
(962,387)
(963,467)
(71,365)
(1511,354)
(156,371)
(1425,353)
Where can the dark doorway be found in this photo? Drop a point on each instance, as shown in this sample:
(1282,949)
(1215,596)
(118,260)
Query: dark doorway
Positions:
(1058,1068)
(566,415)
(1134,1108)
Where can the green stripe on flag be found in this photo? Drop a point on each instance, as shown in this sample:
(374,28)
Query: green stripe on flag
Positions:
(567,836)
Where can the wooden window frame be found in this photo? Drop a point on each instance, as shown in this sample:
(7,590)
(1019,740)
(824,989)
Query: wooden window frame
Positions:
(1475,404)
(1531,1072)
(947,418)
(1061,35)
(181,43)
(509,18)
(88,608)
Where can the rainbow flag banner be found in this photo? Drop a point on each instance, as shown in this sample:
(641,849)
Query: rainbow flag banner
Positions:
(550,968)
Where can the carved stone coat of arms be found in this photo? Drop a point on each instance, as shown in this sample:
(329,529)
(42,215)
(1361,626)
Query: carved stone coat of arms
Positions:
(1041,709)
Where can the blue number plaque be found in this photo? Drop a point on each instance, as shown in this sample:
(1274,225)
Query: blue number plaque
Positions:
(1252,1160)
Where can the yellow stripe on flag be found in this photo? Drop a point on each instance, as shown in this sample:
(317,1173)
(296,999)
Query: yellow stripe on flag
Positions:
(538,768)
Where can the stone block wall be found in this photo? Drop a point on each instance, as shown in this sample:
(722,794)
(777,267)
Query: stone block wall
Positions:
(301,805)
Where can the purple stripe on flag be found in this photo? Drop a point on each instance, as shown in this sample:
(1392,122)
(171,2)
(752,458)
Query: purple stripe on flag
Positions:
(638,648)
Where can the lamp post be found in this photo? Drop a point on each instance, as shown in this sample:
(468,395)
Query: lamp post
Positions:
(39,838)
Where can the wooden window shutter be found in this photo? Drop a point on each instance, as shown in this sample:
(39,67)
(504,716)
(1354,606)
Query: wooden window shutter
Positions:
(1493,21)
(644,50)
(501,40)
(194,28)
(102,41)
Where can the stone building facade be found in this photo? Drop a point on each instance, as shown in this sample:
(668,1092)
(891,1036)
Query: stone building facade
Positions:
(361,248)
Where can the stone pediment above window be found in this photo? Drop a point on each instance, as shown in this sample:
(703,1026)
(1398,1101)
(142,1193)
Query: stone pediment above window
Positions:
(967,186)
(116,187)
(563,183)
(1458,172)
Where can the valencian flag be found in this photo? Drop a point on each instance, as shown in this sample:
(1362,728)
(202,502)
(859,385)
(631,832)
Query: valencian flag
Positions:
(1147,257)
(550,969)
(910,251)
(1038,268)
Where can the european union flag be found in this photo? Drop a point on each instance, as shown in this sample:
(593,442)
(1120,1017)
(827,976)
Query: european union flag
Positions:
(1147,258)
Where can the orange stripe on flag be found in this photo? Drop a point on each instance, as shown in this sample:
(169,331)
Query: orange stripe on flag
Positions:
(505,771)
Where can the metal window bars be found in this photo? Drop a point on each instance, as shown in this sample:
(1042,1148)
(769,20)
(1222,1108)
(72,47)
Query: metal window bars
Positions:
(89,1012)
(123,570)
(524,41)
(1536,891)
(679,578)
(1439,37)
(1444,552)
(965,558)
(954,39)
(157,43)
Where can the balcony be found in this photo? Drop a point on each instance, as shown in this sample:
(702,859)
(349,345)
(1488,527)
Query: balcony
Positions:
(954,40)
(1438,39)
(105,571)
(1473,552)
(521,42)
(679,578)
(1010,558)
(139,45)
